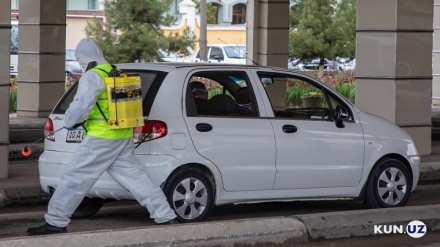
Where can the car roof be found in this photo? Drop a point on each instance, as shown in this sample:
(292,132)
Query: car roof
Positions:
(168,66)
(226,45)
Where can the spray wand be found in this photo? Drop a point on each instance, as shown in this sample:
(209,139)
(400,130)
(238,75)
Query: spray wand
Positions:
(26,151)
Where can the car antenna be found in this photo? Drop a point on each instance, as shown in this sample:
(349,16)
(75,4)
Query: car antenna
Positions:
(239,52)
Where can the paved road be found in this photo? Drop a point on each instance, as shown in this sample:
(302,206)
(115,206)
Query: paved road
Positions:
(118,215)
(431,239)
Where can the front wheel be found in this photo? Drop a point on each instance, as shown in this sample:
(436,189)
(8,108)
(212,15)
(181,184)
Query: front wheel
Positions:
(389,185)
(190,195)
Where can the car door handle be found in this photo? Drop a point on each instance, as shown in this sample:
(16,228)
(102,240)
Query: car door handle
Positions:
(203,127)
(289,128)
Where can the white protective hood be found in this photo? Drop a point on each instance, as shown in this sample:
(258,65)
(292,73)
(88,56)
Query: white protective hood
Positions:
(88,51)
(90,84)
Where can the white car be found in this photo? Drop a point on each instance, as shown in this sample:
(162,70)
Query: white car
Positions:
(168,56)
(224,53)
(214,152)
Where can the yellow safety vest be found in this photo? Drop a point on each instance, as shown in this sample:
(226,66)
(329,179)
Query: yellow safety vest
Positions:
(96,125)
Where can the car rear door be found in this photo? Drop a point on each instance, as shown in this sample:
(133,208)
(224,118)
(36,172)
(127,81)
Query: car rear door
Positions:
(242,147)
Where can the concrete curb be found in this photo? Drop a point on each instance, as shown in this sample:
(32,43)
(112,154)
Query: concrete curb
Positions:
(362,222)
(429,171)
(15,196)
(281,230)
(24,130)
(249,232)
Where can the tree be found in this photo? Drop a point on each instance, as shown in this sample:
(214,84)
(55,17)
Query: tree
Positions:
(208,15)
(212,11)
(322,29)
(132,31)
(346,21)
(203,40)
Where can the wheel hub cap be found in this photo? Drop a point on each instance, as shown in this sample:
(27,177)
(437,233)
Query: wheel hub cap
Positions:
(190,198)
(392,186)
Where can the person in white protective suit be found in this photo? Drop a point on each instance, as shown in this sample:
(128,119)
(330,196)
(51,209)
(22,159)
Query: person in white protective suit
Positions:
(103,149)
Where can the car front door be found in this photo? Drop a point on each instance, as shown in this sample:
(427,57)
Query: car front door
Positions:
(242,147)
(312,151)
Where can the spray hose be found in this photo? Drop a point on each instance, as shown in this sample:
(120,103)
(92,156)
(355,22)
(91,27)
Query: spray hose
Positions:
(27,151)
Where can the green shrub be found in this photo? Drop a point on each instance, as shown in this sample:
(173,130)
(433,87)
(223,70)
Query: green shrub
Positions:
(347,90)
(293,95)
(13,95)
(13,101)
(342,81)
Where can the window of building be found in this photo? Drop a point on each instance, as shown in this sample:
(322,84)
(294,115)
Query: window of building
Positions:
(92,4)
(82,5)
(239,14)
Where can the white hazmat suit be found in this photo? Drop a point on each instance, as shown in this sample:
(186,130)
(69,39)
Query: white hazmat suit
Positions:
(96,155)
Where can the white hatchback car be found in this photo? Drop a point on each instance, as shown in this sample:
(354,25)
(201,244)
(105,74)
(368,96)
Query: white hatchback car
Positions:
(272,145)
(224,53)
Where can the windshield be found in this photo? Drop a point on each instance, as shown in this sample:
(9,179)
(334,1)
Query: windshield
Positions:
(235,51)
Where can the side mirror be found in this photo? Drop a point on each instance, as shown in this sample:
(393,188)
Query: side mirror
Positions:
(218,57)
(266,81)
(339,123)
(340,115)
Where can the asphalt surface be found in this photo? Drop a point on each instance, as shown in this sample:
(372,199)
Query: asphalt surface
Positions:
(22,187)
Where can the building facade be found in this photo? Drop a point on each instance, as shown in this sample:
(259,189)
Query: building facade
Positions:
(230,16)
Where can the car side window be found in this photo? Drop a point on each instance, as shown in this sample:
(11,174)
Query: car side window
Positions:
(150,81)
(299,98)
(220,93)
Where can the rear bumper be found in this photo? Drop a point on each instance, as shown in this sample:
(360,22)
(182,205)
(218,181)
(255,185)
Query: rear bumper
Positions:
(52,163)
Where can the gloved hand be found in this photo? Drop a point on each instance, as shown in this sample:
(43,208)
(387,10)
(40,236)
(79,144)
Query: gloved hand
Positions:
(71,128)
(74,127)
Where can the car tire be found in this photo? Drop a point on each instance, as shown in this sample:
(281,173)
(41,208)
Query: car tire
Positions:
(190,195)
(88,208)
(389,185)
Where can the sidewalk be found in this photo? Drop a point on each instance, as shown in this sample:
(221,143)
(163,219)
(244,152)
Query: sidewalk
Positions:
(22,187)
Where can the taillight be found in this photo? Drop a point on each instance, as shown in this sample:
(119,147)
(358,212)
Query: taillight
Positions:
(49,134)
(152,129)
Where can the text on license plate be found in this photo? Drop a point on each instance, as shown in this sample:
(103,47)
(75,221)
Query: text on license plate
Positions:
(75,135)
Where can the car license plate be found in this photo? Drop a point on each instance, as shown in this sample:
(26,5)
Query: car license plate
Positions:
(75,136)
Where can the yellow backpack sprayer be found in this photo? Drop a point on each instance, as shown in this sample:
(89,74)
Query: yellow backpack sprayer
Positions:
(124,93)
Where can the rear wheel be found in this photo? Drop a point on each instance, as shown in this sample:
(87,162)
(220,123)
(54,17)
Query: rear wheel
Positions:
(190,195)
(88,208)
(389,185)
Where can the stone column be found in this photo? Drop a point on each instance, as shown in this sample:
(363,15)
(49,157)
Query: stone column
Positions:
(267,38)
(436,55)
(5,40)
(394,64)
(41,59)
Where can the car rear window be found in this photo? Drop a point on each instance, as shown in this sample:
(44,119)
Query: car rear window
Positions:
(151,82)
